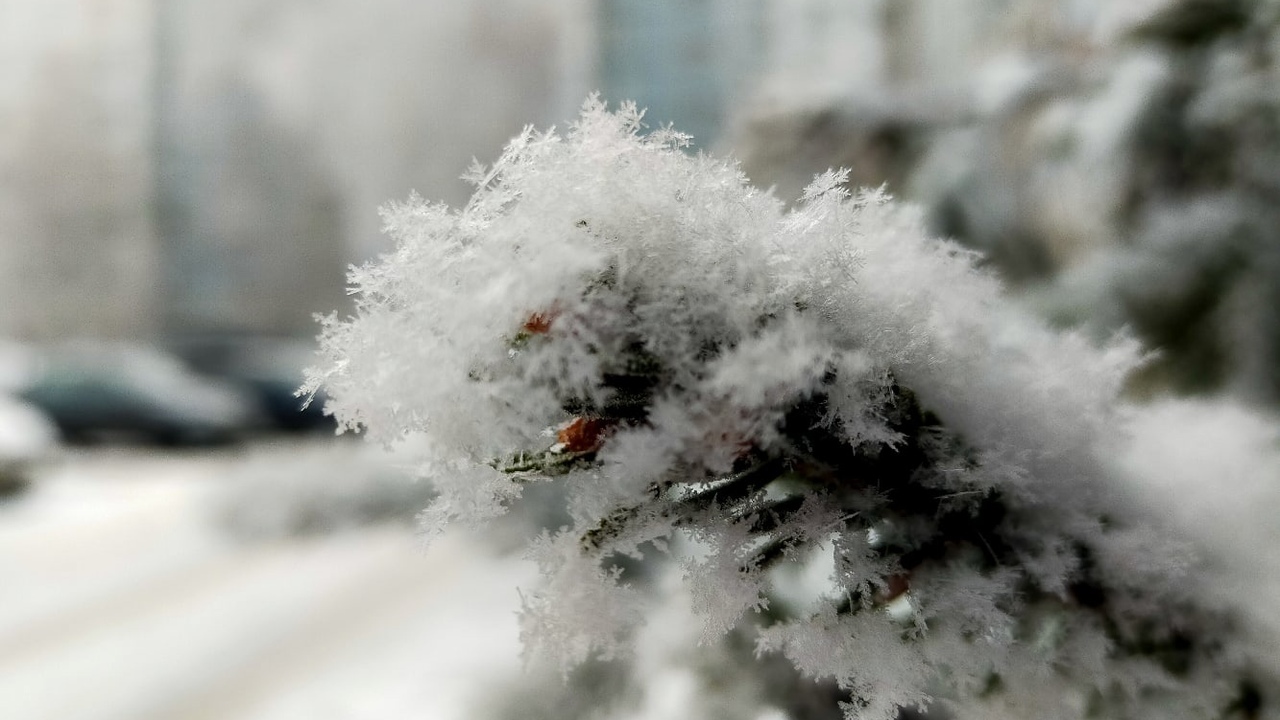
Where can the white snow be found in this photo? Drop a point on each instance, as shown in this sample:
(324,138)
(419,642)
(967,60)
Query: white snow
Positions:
(120,599)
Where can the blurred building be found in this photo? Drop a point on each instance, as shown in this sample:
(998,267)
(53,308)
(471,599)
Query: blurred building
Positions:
(178,166)
(78,248)
(285,126)
(181,166)
(688,63)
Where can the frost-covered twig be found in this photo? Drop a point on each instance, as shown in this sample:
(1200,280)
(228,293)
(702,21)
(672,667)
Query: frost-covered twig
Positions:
(736,387)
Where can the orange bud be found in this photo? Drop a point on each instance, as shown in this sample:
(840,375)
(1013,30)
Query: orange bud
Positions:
(582,434)
(538,323)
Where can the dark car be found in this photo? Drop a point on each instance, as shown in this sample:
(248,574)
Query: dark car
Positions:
(271,368)
(96,390)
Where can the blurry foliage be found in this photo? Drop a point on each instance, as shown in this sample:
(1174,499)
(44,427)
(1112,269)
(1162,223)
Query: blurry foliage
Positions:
(1133,183)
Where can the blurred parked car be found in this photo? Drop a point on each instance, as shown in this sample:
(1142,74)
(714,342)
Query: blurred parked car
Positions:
(95,390)
(271,368)
(26,436)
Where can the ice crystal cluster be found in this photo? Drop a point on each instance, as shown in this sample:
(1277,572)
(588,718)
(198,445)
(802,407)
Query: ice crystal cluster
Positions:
(740,390)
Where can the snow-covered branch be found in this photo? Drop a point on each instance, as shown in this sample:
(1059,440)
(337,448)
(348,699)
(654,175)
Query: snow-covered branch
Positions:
(736,388)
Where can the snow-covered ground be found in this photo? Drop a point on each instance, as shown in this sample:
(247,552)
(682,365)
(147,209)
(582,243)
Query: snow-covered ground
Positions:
(121,599)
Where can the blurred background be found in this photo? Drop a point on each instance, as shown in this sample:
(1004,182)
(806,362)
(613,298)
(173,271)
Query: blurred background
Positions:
(183,184)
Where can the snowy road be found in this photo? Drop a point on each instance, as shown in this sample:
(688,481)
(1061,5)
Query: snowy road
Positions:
(121,600)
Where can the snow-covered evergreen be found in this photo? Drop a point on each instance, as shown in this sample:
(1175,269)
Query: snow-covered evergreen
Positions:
(740,389)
